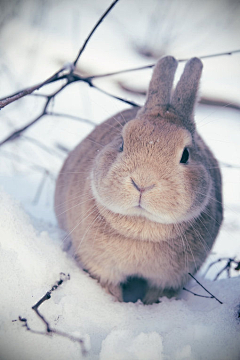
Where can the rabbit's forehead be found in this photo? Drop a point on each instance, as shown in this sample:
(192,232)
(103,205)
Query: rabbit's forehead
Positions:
(156,133)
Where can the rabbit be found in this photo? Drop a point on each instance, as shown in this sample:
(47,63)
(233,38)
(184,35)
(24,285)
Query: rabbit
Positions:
(140,196)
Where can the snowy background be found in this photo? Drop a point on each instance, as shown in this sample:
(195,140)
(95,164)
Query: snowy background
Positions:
(36,39)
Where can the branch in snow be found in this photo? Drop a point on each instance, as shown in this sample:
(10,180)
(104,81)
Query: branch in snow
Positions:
(211,295)
(227,267)
(195,294)
(49,329)
(47,296)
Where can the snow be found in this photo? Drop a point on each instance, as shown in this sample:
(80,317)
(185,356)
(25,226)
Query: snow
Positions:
(30,263)
(32,254)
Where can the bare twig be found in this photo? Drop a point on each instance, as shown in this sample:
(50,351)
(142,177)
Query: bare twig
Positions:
(193,293)
(40,187)
(33,166)
(41,146)
(93,30)
(202,100)
(89,122)
(113,96)
(17,133)
(152,65)
(63,148)
(212,296)
(55,332)
(226,268)
(230,166)
(7,100)
(20,94)
(67,73)
(49,329)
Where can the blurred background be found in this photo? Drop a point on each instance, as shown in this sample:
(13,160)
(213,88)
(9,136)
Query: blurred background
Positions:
(38,37)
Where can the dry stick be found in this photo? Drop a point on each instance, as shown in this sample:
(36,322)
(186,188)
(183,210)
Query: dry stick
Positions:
(212,296)
(40,188)
(71,77)
(92,123)
(53,78)
(193,293)
(49,330)
(228,265)
(17,133)
(93,30)
(18,95)
(41,145)
(17,158)
(113,96)
(7,100)
(152,65)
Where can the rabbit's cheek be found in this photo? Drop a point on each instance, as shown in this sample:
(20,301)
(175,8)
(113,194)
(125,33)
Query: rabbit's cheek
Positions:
(201,189)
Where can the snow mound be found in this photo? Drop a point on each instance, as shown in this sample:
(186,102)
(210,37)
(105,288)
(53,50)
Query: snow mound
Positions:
(30,263)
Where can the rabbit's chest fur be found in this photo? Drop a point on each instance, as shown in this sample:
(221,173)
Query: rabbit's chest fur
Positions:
(163,255)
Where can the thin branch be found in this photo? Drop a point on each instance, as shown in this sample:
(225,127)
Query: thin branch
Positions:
(204,288)
(152,65)
(229,165)
(40,187)
(202,100)
(17,158)
(55,332)
(17,133)
(113,96)
(93,30)
(193,293)
(63,148)
(18,95)
(71,77)
(41,145)
(49,329)
(72,117)
(226,268)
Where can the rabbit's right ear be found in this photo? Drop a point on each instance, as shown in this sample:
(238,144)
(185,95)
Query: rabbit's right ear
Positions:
(159,92)
(185,94)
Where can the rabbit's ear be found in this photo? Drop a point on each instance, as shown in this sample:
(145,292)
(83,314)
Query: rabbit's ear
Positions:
(185,94)
(160,87)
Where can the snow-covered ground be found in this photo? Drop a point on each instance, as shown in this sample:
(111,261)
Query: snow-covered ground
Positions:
(31,251)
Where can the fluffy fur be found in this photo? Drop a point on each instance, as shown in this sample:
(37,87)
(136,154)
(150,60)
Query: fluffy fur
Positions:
(132,207)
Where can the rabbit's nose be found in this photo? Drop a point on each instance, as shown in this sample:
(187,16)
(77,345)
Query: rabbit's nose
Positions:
(141,189)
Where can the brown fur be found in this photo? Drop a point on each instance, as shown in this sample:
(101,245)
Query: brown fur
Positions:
(100,187)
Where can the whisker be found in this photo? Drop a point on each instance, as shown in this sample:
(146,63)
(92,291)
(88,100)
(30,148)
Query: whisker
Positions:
(69,199)
(184,245)
(210,114)
(89,227)
(95,142)
(78,204)
(89,213)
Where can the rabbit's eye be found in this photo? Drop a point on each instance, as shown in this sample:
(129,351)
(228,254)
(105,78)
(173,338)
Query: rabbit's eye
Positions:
(121,146)
(185,156)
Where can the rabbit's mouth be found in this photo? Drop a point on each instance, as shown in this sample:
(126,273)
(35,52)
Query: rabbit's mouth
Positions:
(141,209)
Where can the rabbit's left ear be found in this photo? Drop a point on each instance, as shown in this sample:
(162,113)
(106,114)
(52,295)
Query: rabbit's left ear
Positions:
(185,94)
(159,91)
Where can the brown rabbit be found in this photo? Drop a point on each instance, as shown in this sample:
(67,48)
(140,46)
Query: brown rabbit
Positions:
(141,195)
